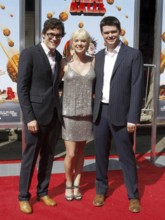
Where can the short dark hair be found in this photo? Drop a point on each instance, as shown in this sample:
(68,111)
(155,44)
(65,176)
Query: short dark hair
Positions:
(110,21)
(53,23)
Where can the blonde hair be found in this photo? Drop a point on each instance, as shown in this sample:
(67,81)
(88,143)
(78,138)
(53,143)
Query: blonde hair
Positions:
(82,34)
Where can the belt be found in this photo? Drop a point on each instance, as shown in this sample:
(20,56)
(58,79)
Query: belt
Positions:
(104,103)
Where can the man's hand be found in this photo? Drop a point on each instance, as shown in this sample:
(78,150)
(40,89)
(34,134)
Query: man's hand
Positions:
(33,126)
(131,127)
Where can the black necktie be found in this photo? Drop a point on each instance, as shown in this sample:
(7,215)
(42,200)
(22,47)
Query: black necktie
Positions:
(51,53)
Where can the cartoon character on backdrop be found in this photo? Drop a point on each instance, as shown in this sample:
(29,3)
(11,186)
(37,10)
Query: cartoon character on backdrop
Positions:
(10,93)
(68,51)
(92,48)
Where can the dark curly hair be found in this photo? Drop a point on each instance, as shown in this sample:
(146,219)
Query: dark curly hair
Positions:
(53,23)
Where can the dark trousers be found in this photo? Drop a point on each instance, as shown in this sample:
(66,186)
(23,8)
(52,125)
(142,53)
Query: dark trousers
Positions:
(42,146)
(103,132)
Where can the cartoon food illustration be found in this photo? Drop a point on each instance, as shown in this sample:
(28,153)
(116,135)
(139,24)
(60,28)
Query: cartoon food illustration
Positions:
(12,64)
(122,32)
(9,69)
(2,7)
(110,2)
(10,43)
(81,24)
(6,32)
(162,62)
(12,67)
(63,16)
(50,14)
(118,8)
(163,36)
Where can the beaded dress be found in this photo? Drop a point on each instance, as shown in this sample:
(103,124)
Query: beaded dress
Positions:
(77,105)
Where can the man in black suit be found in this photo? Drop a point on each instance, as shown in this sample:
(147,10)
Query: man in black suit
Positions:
(117,107)
(38,80)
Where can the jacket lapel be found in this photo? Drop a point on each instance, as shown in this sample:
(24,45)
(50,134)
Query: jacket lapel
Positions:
(120,57)
(56,68)
(47,64)
(101,66)
(44,57)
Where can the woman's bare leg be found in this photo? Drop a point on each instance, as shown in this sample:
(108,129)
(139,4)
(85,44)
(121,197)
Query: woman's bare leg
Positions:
(69,162)
(79,162)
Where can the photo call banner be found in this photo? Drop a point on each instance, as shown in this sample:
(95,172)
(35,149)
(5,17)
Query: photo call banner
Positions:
(162,68)
(75,14)
(9,56)
(87,14)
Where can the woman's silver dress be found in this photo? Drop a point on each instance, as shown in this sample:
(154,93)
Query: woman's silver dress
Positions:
(77,105)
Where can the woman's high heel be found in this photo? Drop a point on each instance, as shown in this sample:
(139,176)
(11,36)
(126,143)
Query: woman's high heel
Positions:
(78,195)
(71,196)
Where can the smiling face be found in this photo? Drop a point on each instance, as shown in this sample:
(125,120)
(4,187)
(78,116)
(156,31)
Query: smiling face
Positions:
(52,38)
(111,36)
(80,45)
(80,41)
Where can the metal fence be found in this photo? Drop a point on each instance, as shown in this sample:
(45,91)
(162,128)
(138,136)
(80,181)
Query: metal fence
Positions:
(147,111)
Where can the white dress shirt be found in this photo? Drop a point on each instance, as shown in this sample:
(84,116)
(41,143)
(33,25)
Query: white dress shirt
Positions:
(50,57)
(110,59)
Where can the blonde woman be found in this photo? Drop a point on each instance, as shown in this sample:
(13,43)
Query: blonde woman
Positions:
(78,74)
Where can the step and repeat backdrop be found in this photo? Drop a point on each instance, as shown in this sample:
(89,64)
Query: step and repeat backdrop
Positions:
(9,56)
(87,14)
(162,68)
(75,14)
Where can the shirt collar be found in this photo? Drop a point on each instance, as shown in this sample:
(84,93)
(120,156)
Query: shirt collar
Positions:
(115,50)
(45,48)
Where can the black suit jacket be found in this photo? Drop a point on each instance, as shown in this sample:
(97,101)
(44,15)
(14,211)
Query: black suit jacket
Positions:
(37,90)
(127,86)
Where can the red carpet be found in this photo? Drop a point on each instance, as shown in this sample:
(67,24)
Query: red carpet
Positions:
(151,186)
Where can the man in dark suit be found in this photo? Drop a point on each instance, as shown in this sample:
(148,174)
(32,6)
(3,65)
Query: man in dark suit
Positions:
(117,107)
(38,80)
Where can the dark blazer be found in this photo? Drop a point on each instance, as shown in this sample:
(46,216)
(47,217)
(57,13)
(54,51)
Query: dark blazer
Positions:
(127,86)
(37,90)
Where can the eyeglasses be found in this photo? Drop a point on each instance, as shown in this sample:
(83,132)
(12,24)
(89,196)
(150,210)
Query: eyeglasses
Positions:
(56,36)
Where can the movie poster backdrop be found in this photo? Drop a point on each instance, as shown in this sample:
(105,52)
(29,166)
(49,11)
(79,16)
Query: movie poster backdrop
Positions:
(9,56)
(161,112)
(87,14)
